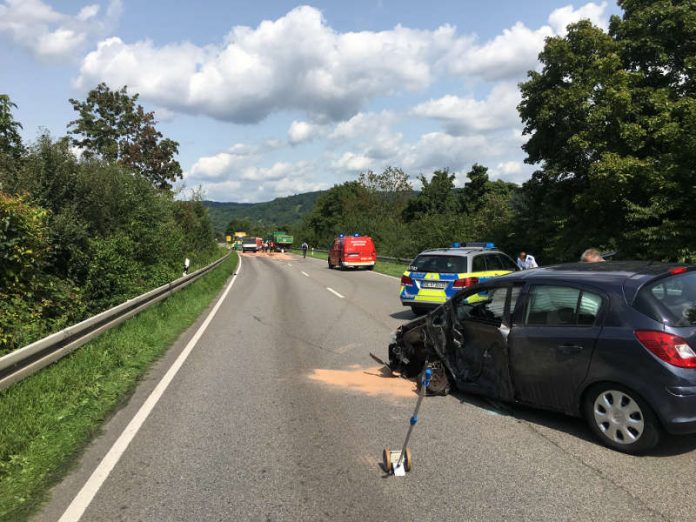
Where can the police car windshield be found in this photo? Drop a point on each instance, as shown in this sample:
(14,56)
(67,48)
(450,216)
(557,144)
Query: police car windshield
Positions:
(441,264)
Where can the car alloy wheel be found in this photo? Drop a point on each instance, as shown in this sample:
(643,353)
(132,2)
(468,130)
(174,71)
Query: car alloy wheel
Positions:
(618,416)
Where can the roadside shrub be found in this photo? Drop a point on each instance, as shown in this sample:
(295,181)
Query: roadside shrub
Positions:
(23,241)
(33,303)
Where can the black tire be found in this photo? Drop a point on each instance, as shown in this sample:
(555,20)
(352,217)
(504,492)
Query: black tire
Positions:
(372,267)
(621,419)
(419,310)
(330,265)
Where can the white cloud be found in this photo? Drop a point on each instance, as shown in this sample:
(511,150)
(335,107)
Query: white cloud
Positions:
(352,162)
(437,150)
(515,51)
(230,190)
(88,12)
(467,115)
(509,55)
(238,174)
(276,171)
(364,124)
(301,131)
(560,18)
(50,34)
(515,171)
(327,74)
(255,71)
(219,166)
(373,131)
(289,186)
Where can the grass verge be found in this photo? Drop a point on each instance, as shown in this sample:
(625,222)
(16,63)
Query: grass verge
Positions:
(385,267)
(48,418)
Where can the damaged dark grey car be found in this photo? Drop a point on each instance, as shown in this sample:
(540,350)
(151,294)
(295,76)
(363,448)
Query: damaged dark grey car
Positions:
(612,342)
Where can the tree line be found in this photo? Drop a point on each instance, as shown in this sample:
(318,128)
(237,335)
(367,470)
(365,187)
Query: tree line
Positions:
(611,124)
(89,219)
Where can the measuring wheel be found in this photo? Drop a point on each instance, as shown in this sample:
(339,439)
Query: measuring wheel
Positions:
(408,460)
(388,464)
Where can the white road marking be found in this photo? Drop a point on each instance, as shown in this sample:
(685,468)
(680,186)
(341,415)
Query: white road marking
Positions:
(83,499)
(334,292)
(305,274)
(289,264)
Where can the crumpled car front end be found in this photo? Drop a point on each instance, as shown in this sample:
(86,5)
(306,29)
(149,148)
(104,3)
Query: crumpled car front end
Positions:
(407,351)
(412,349)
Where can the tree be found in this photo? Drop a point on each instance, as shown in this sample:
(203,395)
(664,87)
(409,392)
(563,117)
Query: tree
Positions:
(612,121)
(436,197)
(10,139)
(392,185)
(112,126)
(341,209)
(476,188)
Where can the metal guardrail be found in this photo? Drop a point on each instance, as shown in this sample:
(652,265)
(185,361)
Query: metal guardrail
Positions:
(26,361)
(379,258)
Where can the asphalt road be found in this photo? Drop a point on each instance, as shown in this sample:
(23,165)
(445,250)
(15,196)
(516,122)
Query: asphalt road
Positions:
(279,413)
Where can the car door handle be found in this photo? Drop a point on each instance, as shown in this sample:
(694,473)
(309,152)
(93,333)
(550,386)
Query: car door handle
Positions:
(570,348)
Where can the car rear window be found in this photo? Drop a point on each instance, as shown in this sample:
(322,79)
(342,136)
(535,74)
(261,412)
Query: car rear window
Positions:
(440,264)
(670,300)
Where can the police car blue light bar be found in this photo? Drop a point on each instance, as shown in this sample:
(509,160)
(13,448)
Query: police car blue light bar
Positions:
(481,244)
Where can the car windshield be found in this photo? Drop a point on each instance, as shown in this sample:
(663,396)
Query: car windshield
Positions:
(671,300)
(441,264)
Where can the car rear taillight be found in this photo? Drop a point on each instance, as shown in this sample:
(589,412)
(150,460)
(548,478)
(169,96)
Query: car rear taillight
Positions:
(668,347)
(467,281)
(678,270)
(406,281)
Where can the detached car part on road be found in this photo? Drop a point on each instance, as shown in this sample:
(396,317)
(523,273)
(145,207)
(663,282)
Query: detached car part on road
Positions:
(612,342)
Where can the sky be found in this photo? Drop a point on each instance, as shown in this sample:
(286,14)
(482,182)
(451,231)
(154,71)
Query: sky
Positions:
(274,98)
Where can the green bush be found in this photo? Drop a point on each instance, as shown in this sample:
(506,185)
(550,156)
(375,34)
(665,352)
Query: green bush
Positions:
(78,237)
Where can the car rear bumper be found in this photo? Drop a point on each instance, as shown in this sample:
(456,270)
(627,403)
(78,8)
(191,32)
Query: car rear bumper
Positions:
(358,263)
(679,410)
(411,301)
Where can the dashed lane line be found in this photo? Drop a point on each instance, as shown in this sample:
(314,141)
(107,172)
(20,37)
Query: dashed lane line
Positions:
(334,292)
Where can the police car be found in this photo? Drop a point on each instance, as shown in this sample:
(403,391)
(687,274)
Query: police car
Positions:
(436,275)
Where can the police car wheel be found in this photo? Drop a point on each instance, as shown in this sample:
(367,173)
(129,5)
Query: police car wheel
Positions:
(419,310)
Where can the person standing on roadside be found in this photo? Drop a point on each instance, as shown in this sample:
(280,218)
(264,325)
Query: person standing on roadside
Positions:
(526,261)
(305,246)
(591,255)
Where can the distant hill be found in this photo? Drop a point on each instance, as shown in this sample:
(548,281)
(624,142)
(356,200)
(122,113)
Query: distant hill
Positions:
(279,212)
